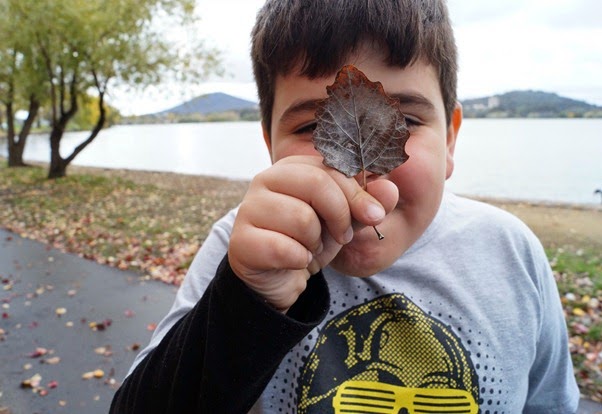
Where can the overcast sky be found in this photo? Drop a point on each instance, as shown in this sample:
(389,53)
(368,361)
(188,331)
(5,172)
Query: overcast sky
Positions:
(504,45)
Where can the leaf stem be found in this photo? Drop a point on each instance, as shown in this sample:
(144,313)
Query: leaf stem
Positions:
(365,185)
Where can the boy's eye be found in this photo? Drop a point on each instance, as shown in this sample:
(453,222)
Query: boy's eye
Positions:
(412,122)
(306,129)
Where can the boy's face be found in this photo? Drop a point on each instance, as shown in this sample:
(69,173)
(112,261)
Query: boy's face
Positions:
(420,180)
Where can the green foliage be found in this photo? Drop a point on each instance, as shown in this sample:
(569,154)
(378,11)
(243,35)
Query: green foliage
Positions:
(66,50)
(88,113)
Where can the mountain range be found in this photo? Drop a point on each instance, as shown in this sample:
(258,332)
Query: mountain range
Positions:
(212,107)
(516,104)
(529,104)
(210,104)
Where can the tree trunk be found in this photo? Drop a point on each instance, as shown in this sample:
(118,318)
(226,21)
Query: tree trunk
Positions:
(16,144)
(10,133)
(15,151)
(58,166)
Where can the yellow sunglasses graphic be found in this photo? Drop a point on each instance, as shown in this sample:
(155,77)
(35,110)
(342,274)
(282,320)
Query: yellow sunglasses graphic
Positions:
(367,397)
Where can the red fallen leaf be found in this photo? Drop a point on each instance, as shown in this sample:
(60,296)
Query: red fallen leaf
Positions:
(151,327)
(134,347)
(580,328)
(53,384)
(38,352)
(100,326)
(5,315)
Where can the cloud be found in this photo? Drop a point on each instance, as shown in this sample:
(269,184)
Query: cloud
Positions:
(466,12)
(523,49)
(569,14)
(550,45)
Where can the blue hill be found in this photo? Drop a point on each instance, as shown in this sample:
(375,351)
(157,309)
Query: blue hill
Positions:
(210,104)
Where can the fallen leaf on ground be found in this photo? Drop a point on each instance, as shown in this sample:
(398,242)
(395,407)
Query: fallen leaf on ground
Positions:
(32,382)
(104,351)
(38,352)
(98,373)
(52,361)
(100,326)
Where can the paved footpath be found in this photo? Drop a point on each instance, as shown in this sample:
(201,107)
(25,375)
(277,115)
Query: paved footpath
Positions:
(63,317)
(107,314)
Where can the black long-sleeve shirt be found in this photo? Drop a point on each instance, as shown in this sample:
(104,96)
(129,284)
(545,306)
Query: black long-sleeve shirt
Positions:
(221,355)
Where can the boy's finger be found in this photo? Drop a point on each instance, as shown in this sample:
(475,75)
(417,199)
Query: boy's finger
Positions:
(316,187)
(276,251)
(286,215)
(368,207)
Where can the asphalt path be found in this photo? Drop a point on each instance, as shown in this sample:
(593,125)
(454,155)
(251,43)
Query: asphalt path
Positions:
(64,318)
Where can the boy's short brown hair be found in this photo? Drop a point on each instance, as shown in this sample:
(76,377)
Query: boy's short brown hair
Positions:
(319,34)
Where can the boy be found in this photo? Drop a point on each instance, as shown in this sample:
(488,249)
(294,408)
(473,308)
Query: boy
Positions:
(456,310)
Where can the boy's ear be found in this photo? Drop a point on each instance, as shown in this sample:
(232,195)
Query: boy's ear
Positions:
(266,138)
(452,136)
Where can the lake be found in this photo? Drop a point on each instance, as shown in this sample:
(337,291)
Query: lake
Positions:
(556,160)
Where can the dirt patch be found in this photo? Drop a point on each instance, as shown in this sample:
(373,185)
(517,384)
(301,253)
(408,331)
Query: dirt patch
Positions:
(558,225)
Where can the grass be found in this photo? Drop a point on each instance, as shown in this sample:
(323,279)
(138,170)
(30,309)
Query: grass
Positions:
(154,223)
(152,229)
(577,263)
(579,277)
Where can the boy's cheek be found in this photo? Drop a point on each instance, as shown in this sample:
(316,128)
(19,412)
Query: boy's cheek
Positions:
(300,147)
(418,178)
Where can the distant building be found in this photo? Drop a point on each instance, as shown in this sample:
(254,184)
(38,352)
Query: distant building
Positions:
(493,102)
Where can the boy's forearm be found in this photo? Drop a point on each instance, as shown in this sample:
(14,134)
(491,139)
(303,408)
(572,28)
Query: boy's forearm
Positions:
(221,355)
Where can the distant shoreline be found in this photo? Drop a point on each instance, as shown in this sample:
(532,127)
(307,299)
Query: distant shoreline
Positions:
(557,224)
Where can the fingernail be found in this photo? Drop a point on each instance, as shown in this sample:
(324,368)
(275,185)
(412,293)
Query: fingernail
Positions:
(348,236)
(375,212)
(310,257)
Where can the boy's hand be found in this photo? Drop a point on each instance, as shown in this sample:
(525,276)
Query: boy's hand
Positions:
(293,221)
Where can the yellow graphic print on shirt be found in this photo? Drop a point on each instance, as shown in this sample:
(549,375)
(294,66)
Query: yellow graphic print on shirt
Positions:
(388,356)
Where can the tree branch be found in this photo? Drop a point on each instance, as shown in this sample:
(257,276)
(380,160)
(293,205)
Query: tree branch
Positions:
(99,123)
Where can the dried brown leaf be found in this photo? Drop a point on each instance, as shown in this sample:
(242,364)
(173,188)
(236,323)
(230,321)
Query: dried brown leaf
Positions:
(360,128)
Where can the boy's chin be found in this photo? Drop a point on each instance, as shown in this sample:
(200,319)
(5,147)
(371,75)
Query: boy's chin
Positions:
(363,258)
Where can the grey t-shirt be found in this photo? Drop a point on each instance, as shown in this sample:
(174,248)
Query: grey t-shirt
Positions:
(469,317)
